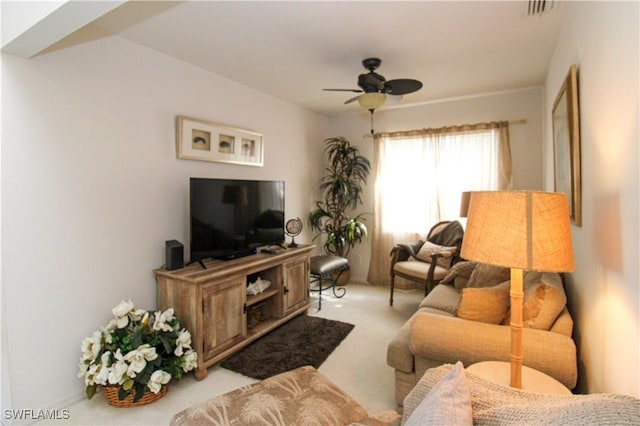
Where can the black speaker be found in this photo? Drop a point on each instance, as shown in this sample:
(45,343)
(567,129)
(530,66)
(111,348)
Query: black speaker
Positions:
(174,255)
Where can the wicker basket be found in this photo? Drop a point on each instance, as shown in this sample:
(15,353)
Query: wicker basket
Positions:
(111,394)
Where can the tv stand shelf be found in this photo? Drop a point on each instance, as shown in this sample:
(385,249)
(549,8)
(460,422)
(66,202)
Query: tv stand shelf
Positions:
(212,302)
(252,300)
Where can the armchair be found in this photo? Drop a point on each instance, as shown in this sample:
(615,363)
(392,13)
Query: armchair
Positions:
(427,262)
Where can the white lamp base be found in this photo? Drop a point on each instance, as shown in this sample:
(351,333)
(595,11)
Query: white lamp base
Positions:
(532,380)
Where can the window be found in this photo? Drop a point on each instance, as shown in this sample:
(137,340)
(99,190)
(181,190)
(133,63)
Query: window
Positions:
(420,176)
(421,179)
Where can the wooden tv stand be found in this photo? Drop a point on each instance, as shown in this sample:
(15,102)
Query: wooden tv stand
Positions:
(213,304)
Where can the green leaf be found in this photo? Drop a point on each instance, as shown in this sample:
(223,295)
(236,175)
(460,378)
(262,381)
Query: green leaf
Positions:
(91,390)
(139,391)
(122,393)
(136,337)
(167,343)
(127,385)
(144,376)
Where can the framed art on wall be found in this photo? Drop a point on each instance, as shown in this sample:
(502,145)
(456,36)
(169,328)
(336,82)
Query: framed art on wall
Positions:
(207,141)
(566,144)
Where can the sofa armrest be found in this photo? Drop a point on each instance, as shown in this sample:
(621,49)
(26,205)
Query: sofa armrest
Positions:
(497,404)
(449,339)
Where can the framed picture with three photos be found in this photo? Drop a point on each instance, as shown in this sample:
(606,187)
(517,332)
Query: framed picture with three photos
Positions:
(203,140)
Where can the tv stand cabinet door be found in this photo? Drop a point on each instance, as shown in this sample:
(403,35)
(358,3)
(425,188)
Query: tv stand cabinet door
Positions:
(223,319)
(296,284)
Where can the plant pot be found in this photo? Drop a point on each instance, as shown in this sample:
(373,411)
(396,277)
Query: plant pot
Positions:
(342,278)
(111,395)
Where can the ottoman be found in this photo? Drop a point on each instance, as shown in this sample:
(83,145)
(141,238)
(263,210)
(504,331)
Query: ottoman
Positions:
(327,268)
(297,397)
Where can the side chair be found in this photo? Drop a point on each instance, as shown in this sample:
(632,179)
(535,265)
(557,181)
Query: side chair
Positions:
(427,262)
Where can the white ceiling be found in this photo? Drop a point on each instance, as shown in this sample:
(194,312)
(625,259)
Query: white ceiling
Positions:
(292,50)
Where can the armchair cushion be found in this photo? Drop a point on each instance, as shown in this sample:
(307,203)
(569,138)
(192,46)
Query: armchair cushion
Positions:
(486,304)
(419,270)
(428,249)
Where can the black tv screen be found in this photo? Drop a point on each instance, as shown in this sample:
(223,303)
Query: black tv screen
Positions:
(232,218)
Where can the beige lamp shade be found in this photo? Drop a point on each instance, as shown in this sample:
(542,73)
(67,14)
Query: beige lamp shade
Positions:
(372,101)
(528,230)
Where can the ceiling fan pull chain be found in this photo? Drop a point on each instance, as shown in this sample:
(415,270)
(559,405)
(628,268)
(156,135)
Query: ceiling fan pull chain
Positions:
(371,111)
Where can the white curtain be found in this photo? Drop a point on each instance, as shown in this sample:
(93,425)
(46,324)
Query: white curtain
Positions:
(420,176)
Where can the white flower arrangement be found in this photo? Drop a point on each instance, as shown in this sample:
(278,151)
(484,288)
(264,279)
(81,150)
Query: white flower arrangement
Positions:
(136,351)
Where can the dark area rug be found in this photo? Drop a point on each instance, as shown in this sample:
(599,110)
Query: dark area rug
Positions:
(302,341)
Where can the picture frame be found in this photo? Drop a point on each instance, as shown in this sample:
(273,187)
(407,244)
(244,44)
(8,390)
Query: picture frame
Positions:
(566,144)
(203,140)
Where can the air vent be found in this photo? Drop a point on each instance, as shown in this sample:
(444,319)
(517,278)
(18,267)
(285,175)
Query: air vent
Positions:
(538,7)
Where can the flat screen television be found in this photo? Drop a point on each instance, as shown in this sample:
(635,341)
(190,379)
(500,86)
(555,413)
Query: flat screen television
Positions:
(232,218)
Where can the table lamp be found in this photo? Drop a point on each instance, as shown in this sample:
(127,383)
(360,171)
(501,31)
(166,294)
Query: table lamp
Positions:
(521,230)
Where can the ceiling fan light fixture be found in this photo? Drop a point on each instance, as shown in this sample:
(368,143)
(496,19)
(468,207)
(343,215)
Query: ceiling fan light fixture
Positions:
(372,101)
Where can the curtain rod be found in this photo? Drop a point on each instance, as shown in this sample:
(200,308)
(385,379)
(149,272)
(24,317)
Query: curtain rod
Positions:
(511,123)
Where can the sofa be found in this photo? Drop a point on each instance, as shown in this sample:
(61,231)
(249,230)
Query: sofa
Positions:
(466,318)
(451,395)
(445,395)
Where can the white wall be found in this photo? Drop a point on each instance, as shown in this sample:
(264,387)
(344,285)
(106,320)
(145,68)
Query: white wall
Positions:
(526,140)
(91,189)
(17,17)
(602,39)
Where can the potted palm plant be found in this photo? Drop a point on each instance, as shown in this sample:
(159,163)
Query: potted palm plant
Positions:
(342,188)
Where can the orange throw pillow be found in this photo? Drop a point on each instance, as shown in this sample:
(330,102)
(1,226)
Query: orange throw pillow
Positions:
(484,304)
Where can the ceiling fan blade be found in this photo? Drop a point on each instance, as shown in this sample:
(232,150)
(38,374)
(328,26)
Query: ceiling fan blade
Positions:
(401,86)
(355,98)
(344,90)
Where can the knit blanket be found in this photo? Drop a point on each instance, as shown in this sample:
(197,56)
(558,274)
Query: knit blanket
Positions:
(494,404)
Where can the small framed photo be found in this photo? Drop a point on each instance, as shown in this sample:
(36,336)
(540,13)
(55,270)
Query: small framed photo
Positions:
(207,141)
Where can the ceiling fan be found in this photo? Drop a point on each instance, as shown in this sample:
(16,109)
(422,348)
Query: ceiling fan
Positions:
(375,87)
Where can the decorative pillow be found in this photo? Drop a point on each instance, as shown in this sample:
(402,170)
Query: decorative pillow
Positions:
(484,275)
(448,402)
(429,249)
(443,298)
(544,299)
(459,274)
(484,304)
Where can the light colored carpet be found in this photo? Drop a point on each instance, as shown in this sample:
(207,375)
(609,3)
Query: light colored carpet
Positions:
(358,365)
